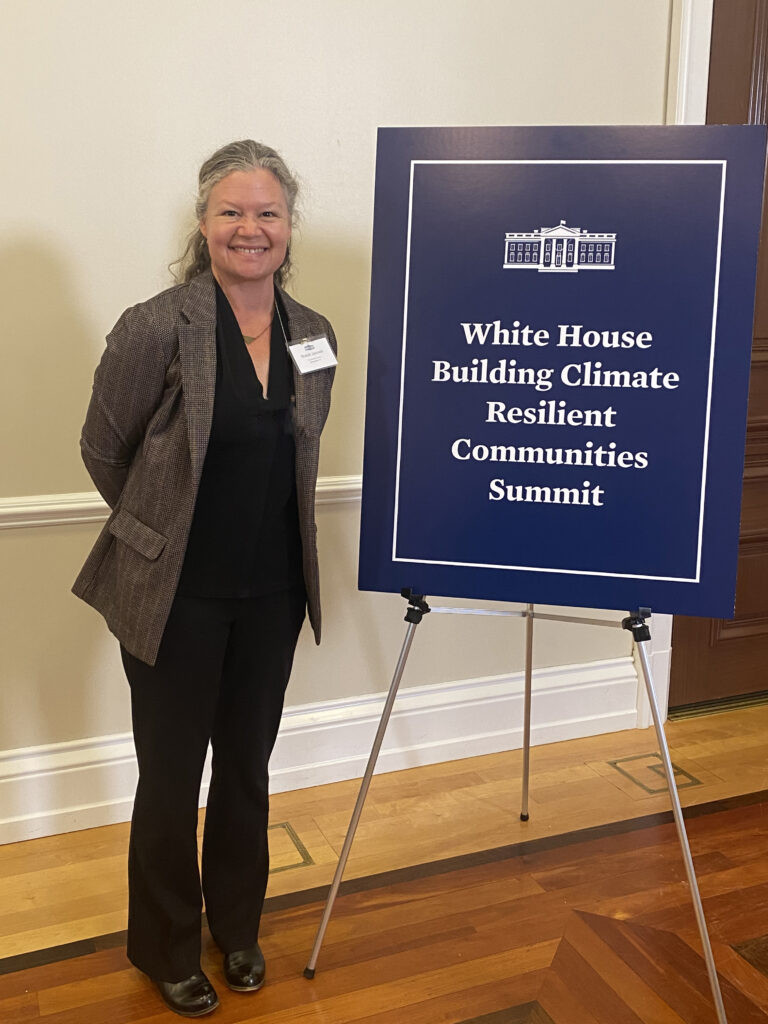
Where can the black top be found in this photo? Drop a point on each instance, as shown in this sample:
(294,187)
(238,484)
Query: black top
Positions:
(244,540)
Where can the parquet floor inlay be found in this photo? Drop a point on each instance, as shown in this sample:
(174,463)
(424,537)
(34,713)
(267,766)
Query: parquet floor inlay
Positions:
(647,772)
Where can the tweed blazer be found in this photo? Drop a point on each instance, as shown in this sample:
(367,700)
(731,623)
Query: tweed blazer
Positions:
(144,442)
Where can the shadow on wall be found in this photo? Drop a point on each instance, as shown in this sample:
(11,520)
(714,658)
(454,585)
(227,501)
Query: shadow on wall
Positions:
(61,677)
(48,364)
(56,682)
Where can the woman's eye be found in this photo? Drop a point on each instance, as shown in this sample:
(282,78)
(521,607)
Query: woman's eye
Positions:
(229,213)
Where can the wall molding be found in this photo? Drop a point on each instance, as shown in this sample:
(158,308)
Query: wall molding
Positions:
(52,509)
(85,783)
(693,62)
(90,507)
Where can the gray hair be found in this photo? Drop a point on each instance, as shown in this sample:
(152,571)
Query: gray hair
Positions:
(245,155)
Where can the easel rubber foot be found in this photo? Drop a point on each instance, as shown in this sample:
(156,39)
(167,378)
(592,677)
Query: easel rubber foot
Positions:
(524,817)
(309,972)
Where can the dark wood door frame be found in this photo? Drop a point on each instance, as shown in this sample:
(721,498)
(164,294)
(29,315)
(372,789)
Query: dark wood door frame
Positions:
(716,659)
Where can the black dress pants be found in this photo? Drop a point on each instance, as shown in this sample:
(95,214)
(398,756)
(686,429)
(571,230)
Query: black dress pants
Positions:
(220,676)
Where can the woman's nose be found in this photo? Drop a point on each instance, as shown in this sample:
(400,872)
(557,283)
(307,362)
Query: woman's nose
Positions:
(250,225)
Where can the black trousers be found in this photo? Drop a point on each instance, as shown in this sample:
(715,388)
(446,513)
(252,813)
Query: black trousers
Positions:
(220,676)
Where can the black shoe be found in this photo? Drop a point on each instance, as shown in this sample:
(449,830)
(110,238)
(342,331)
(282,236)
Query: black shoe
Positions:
(244,970)
(193,997)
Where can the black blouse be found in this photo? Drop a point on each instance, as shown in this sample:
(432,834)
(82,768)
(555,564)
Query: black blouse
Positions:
(244,540)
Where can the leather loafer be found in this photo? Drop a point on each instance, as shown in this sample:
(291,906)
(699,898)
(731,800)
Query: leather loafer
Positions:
(193,997)
(244,969)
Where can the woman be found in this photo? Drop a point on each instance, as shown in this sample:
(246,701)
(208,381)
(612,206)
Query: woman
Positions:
(203,438)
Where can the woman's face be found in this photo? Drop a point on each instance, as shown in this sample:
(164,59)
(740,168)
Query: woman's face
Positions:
(247,226)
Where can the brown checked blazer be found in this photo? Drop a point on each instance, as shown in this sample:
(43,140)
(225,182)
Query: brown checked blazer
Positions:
(144,443)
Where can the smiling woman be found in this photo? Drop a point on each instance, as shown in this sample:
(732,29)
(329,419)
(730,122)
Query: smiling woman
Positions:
(204,440)
(247,227)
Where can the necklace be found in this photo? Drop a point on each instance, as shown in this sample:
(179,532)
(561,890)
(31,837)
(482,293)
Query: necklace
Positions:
(250,338)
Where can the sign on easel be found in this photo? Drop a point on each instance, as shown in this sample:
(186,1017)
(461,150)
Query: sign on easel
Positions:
(560,336)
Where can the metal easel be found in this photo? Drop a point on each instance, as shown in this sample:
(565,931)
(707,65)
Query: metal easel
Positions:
(636,624)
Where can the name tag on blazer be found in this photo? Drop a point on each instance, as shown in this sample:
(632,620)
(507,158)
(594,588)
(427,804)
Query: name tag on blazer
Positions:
(312,354)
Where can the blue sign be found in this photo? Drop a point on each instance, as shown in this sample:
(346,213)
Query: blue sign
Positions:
(560,334)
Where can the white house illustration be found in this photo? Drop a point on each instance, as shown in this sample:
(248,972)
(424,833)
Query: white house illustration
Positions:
(561,249)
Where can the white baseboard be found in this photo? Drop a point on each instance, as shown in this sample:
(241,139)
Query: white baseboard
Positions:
(64,787)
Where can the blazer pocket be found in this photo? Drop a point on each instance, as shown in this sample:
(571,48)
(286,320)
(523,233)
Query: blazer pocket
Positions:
(142,538)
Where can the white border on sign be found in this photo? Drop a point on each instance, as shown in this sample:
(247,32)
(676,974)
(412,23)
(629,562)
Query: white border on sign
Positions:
(716,293)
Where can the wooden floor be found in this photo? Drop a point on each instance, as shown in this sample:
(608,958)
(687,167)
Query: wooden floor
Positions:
(535,922)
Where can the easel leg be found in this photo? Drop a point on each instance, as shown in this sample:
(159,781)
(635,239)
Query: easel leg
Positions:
(527,710)
(413,618)
(682,835)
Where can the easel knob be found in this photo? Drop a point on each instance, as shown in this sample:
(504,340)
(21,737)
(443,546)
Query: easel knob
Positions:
(417,606)
(636,624)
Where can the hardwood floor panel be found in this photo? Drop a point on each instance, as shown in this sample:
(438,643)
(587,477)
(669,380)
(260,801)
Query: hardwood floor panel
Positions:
(20,1008)
(617,968)
(65,931)
(50,852)
(41,911)
(34,888)
(655,983)
(475,1003)
(742,974)
(39,979)
(588,988)
(120,984)
(556,1000)
(365,928)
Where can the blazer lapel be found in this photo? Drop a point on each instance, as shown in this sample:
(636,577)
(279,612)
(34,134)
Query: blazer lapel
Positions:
(297,328)
(197,352)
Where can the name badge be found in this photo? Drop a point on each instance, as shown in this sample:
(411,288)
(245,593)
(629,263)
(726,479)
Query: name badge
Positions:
(312,354)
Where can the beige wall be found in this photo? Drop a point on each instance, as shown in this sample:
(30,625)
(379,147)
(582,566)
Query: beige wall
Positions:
(110,107)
